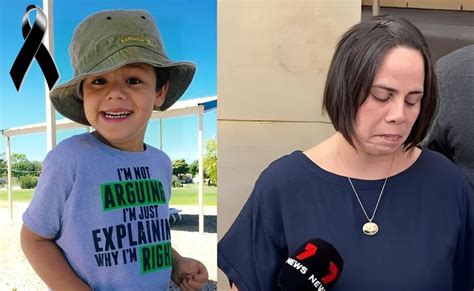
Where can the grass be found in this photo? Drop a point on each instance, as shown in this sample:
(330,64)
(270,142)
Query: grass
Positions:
(23,195)
(187,195)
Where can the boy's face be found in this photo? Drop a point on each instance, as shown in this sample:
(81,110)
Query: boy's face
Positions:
(119,103)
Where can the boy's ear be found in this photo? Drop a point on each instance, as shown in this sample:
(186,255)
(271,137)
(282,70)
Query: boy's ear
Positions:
(161,94)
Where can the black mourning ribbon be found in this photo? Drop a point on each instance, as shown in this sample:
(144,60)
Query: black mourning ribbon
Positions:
(33,47)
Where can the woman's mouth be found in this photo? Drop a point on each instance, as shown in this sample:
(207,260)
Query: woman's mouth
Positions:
(391,137)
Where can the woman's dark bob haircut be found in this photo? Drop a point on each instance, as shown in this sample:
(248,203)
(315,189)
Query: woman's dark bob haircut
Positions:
(358,56)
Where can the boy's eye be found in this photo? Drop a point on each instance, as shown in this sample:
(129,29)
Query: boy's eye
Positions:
(133,81)
(98,81)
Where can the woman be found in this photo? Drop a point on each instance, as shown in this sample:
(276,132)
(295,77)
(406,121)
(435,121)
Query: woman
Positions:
(400,216)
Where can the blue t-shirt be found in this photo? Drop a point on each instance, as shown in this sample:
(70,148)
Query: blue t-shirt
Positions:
(107,210)
(425,218)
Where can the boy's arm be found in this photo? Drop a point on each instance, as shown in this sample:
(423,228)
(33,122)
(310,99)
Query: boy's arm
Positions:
(49,263)
(188,273)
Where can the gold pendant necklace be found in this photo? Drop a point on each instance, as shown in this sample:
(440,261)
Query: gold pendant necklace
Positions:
(369,228)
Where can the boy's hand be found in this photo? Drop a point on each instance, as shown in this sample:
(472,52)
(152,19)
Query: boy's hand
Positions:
(189,274)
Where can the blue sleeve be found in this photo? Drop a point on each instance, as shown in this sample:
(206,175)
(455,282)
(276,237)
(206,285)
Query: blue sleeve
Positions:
(44,214)
(169,176)
(253,250)
(464,259)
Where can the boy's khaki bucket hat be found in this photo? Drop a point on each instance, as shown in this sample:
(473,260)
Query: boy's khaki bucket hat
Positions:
(111,39)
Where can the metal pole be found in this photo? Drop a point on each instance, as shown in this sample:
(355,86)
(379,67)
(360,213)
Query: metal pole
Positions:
(161,133)
(50,112)
(375,7)
(9,170)
(200,173)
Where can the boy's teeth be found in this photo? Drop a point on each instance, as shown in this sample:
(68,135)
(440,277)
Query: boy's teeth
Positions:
(117,114)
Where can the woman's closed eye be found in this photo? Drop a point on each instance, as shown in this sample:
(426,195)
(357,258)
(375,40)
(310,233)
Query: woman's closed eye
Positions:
(380,95)
(412,100)
(383,95)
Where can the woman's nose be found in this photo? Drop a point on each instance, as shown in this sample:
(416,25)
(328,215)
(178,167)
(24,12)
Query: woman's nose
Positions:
(397,111)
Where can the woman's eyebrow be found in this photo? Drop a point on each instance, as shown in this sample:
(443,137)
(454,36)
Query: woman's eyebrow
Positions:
(381,86)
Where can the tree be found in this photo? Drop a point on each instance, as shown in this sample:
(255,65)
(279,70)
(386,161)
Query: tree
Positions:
(21,166)
(194,167)
(180,167)
(28,182)
(36,167)
(3,165)
(210,161)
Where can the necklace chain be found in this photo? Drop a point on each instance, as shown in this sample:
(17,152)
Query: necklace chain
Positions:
(370,228)
(360,202)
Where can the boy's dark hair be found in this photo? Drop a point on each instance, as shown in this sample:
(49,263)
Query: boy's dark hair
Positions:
(162,76)
(358,56)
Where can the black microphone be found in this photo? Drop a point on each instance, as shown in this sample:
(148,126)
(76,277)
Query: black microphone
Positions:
(315,265)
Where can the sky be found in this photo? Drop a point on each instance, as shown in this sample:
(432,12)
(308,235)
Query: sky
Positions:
(188,29)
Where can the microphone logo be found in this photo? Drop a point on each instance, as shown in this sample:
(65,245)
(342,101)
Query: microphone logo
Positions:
(310,250)
(333,274)
(315,265)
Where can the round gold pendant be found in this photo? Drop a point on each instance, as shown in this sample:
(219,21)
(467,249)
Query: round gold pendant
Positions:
(370,228)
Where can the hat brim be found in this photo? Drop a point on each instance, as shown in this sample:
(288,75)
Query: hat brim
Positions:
(66,100)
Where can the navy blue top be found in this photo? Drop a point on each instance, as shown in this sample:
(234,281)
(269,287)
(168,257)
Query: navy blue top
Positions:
(425,218)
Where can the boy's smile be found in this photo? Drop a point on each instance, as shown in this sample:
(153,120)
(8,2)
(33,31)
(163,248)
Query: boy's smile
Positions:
(119,103)
(117,115)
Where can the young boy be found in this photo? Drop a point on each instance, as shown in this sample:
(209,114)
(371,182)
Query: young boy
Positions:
(99,216)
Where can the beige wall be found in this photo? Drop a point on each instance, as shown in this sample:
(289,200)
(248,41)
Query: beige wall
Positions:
(273,57)
(427,4)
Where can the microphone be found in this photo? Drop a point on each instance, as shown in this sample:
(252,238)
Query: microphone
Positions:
(315,265)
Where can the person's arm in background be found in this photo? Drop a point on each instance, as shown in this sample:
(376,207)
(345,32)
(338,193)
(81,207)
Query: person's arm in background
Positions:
(49,262)
(438,138)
